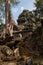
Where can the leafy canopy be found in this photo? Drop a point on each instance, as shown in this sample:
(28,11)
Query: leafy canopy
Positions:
(39,7)
(2,7)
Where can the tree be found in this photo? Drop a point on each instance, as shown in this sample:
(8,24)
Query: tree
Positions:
(3,6)
(10,23)
(0,21)
(39,7)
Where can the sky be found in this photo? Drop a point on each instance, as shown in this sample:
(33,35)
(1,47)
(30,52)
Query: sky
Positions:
(24,4)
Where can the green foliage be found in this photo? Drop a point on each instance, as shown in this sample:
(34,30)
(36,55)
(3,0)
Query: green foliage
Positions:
(0,20)
(2,6)
(39,8)
(14,2)
(38,3)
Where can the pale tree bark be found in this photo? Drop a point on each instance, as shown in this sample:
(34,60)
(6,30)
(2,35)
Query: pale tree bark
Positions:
(10,23)
(9,26)
(7,11)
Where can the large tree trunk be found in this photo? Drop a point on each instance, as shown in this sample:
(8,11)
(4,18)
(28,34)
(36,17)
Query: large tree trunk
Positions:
(10,23)
(9,27)
(7,11)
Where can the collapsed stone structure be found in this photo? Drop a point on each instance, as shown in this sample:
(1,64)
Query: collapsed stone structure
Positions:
(33,39)
(9,44)
(26,42)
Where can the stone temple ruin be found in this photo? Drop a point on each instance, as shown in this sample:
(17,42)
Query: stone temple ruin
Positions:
(18,42)
(10,41)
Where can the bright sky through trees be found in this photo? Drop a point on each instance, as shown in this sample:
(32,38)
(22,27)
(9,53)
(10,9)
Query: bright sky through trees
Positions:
(24,4)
